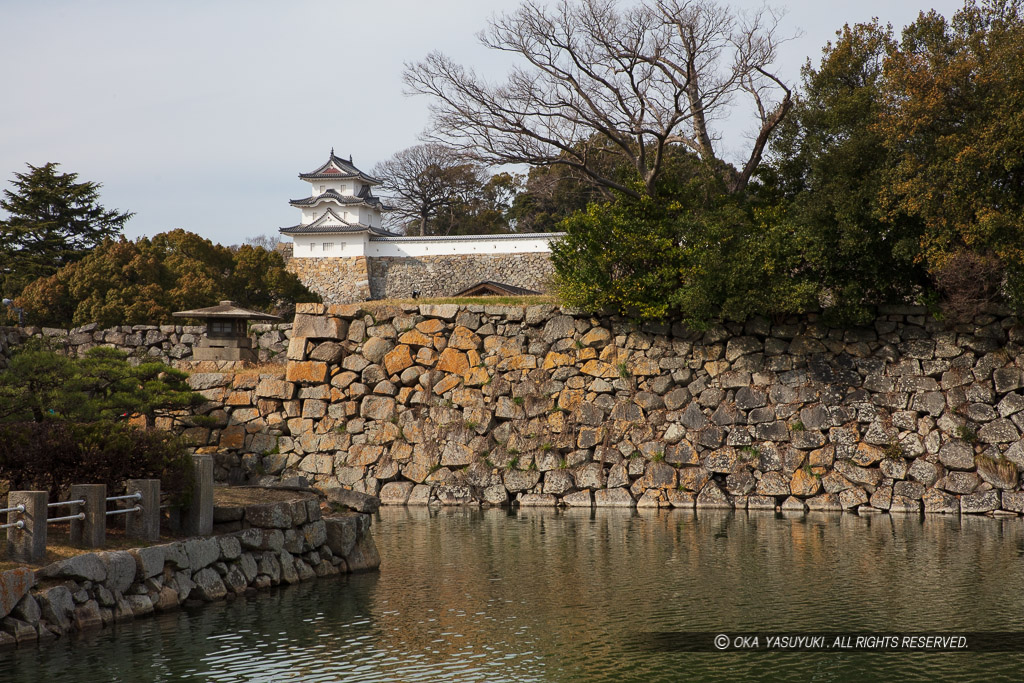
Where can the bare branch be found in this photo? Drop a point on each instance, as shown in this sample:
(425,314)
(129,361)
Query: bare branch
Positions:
(597,79)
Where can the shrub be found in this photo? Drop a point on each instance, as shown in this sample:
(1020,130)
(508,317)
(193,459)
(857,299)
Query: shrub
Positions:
(54,455)
(690,253)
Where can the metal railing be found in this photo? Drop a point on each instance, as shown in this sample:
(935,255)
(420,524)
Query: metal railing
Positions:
(65,502)
(124,511)
(67,518)
(28,513)
(20,524)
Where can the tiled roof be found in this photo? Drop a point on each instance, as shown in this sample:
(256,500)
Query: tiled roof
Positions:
(329,222)
(366,198)
(490,287)
(225,309)
(336,168)
(468,238)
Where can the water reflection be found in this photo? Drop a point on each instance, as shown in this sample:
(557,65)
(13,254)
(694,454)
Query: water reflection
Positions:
(543,595)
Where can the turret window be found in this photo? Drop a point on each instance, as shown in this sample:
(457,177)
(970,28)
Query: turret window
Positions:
(328,246)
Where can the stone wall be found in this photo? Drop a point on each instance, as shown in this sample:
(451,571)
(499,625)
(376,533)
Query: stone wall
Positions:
(536,406)
(336,279)
(283,543)
(348,280)
(171,344)
(439,276)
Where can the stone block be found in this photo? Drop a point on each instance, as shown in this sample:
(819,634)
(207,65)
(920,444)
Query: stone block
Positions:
(979,503)
(614,497)
(354,500)
(14,585)
(308,372)
(319,327)
(538,500)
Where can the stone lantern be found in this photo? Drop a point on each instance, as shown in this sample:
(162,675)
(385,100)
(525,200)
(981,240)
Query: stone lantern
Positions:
(226,335)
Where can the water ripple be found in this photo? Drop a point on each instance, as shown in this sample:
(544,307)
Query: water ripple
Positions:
(469,595)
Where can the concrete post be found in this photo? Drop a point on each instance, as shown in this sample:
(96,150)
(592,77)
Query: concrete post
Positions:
(198,520)
(90,532)
(144,525)
(27,544)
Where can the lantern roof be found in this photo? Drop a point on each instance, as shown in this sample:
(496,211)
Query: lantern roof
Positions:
(225,309)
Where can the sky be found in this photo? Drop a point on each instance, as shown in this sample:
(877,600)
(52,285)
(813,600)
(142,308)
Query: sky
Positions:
(199,114)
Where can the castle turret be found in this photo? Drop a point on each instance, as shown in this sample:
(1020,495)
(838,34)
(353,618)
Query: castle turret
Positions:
(340,203)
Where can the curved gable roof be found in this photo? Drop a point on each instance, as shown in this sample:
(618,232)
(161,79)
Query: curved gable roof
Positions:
(336,168)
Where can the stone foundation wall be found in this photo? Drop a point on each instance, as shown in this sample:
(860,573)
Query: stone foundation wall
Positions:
(337,280)
(536,406)
(171,344)
(438,276)
(284,543)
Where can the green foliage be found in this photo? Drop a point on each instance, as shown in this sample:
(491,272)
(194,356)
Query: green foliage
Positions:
(828,165)
(61,420)
(749,453)
(897,177)
(967,434)
(41,385)
(953,126)
(893,451)
(696,251)
(144,281)
(902,165)
(53,221)
(53,455)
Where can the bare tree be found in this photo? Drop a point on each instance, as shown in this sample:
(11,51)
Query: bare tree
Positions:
(268,242)
(424,180)
(633,81)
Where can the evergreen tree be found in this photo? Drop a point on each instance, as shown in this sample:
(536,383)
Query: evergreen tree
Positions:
(53,221)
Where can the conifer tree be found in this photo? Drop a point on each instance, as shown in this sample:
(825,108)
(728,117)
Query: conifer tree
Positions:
(53,220)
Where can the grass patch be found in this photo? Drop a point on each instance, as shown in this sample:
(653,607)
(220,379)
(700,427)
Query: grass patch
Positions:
(966,434)
(1002,469)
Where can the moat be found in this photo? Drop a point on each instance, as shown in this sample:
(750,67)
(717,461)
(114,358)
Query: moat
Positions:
(544,595)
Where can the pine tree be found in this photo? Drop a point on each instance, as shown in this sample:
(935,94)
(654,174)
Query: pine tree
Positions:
(53,220)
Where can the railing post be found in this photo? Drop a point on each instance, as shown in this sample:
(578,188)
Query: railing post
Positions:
(91,531)
(27,544)
(144,525)
(198,520)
